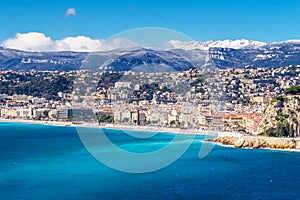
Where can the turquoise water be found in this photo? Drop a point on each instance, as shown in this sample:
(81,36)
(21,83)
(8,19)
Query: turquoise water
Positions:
(48,162)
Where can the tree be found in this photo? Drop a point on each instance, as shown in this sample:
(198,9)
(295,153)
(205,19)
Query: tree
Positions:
(125,120)
(105,119)
(291,130)
(172,123)
(294,90)
(283,129)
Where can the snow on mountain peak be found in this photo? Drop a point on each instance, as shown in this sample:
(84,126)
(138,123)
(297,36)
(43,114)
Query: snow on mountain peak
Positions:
(234,44)
(292,41)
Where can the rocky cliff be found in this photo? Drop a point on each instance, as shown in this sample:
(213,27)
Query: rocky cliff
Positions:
(282,117)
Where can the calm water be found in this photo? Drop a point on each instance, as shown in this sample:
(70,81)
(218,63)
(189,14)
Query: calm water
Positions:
(47,162)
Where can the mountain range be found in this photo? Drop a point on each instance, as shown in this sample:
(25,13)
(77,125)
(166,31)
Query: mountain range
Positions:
(182,56)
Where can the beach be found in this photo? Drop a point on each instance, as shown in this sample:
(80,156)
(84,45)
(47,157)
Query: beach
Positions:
(120,127)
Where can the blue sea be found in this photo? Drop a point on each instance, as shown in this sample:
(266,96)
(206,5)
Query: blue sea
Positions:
(51,162)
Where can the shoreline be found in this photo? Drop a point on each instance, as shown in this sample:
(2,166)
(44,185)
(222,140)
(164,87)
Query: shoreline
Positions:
(121,127)
(52,123)
(257,142)
(224,139)
(248,148)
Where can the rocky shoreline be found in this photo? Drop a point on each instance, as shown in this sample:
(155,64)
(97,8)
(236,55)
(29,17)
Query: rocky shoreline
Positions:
(257,142)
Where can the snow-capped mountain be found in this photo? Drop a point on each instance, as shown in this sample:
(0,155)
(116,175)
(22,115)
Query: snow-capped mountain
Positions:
(11,59)
(117,60)
(265,56)
(233,44)
(146,58)
(179,56)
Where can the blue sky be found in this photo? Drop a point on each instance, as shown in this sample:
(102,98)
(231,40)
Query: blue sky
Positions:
(264,20)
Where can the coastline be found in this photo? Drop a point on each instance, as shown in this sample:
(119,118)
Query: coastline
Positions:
(257,142)
(225,139)
(248,148)
(53,123)
(120,127)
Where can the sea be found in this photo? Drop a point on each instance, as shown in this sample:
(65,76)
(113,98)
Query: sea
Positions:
(51,162)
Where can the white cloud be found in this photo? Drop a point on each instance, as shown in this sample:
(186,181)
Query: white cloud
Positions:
(116,43)
(86,44)
(70,12)
(79,43)
(34,41)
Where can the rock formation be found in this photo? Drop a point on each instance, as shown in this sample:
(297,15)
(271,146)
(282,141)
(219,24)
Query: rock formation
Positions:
(282,117)
(258,142)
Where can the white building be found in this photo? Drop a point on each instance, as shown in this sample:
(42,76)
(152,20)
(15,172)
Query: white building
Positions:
(25,112)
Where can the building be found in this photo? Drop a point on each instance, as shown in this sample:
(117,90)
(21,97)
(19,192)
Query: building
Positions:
(83,114)
(122,85)
(25,113)
(64,114)
(257,99)
(41,113)
(9,113)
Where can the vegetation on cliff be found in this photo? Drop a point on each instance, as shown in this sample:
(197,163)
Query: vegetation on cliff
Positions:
(294,90)
(282,115)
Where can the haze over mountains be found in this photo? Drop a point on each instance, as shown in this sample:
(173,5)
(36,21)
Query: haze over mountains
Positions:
(179,56)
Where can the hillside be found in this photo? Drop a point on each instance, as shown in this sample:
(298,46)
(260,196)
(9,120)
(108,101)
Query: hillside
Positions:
(282,115)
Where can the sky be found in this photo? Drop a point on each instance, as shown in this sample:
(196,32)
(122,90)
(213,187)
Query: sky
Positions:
(203,20)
